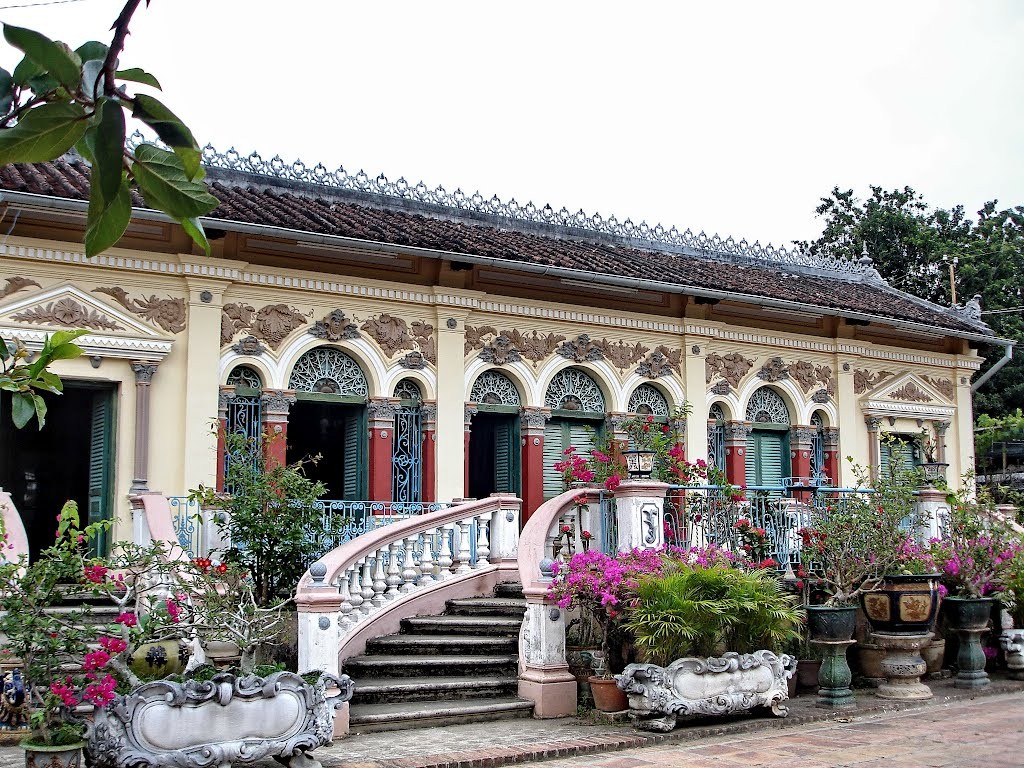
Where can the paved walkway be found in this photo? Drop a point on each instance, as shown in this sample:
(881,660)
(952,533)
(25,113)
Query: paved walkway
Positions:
(956,729)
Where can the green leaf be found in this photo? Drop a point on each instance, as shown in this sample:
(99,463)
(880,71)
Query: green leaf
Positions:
(137,75)
(5,351)
(44,133)
(195,230)
(161,177)
(108,220)
(55,58)
(43,83)
(92,51)
(60,338)
(6,91)
(171,131)
(26,70)
(108,172)
(50,382)
(40,407)
(86,147)
(92,79)
(22,409)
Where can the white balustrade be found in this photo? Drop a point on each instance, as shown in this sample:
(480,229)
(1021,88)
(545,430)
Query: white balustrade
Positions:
(464,550)
(483,548)
(379,583)
(410,574)
(366,583)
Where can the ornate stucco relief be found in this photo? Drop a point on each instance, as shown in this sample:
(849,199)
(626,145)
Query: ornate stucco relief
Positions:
(863,380)
(582,349)
(68,313)
(661,362)
(15,284)
(334,326)
(912,393)
(533,346)
(732,367)
(944,387)
(622,355)
(168,313)
(271,323)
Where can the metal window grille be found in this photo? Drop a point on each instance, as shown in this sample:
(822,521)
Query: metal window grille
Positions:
(574,390)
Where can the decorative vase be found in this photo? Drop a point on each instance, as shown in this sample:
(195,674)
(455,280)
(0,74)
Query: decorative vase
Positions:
(63,756)
(1012,642)
(831,631)
(155,660)
(903,604)
(969,618)
(608,697)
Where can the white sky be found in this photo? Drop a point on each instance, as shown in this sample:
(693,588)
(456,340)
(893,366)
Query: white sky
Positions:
(728,117)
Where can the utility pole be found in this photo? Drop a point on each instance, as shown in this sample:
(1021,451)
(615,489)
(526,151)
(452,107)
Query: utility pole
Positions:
(952,278)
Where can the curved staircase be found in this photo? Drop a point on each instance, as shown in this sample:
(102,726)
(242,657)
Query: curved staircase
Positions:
(458,667)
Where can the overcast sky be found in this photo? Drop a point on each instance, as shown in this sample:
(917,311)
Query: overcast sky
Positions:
(724,117)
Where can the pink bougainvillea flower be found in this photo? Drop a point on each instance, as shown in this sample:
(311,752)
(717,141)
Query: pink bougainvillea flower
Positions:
(127,618)
(95,573)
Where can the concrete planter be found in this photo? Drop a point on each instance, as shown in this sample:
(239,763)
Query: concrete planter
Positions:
(224,720)
(63,756)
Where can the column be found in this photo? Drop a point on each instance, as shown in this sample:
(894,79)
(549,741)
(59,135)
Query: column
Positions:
(468,412)
(697,394)
(382,412)
(276,403)
(801,440)
(873,423)
(428,454)
(962,458)
(144,372)
(940,440)
(832,457)
(736,434)
(225,396)
(849,420)
(451,396)
(640,514)
(531,430)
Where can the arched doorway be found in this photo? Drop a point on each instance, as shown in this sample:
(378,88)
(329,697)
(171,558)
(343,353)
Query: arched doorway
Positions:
(329,420)
(577,418)
(494,454)
(767,453)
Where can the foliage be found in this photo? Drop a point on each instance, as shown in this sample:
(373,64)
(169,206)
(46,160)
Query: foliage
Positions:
(908,241)
(703,611)
(754,543)
(47,641)
(853,542)
(25,380)
(979,553)
(573,468)
(1014,594)
(270,515)
(57,99)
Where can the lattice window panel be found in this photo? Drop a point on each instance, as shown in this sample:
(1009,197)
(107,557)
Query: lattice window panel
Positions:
(767,407)
(407,389)
(818,447)
(245,377)
(646,399)
(328,371)
(716,437)
(494,388)
(573,390)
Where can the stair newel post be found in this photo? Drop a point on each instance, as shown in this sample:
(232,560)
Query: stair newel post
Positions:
(444,559)
(394,578)
(409,572)
(464,549)
(366,585)
(483,548)
(379,583)
(355,591)
(427,559)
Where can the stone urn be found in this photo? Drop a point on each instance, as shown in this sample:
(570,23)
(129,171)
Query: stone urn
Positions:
(831,630)
(969,617)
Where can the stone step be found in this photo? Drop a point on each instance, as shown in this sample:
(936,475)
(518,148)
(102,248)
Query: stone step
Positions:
(462,625)
(365,718)
(508,589)
(373,667)
(401,689)
(441,645)
(486,606)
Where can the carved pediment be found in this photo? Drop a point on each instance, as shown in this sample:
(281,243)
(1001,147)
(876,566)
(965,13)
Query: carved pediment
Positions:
(908,394)
(66,307)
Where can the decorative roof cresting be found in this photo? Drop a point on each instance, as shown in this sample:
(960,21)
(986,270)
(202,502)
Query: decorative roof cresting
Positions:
(657,236)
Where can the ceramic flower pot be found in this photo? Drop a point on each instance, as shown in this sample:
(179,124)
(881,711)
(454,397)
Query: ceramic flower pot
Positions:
(831,630)
(903,604)
(608,697)
(831,623)
(63,756)
(969,618)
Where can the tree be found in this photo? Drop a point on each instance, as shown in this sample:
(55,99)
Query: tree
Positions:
(911,245)
(25,379)
(57,99)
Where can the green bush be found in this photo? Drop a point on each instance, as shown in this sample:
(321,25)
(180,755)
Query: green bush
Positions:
(706,611)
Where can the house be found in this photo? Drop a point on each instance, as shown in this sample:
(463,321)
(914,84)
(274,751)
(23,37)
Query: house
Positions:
(432,345)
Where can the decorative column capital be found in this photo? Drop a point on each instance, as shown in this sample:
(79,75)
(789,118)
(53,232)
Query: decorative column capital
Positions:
(428,416)
(831,437)
(617,420)
(873,423)
(277,403)
(940,427)
(468,414)
(533,419)
(802,435)
(144,372)
(224,397)
(382,411)
(737,432)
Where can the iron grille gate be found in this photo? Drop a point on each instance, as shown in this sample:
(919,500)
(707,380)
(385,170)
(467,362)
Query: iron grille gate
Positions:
(406,457)
(244,418)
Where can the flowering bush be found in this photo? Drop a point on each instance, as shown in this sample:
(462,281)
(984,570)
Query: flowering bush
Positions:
(754,544)
(573,468)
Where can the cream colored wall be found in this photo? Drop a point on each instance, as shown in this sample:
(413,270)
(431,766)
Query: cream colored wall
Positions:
(184,395)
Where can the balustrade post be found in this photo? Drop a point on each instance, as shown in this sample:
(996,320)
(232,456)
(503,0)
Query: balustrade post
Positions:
(505,529)
(640,514)
(483,548)
(410,574)
(545,678)
(380,584)
(355,591)
(322,614)
(444,559)
(394,578)
(366,583)
(464,548)
(427,560)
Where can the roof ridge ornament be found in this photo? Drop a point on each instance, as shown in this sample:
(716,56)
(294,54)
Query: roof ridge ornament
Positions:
(713,246)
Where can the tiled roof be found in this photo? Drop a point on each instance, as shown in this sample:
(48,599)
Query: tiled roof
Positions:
(253,199)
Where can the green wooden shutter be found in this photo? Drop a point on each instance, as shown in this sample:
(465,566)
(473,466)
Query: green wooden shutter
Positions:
(581,437)
(767,458)
(895,455)
(552,453)
(99,465)
(353,470)
(503,457)
(750,459)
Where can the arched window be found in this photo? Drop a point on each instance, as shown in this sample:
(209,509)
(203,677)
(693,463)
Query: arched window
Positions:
(328,371)
(244,411)
(578,406)
(493,388)
(648,400)
(406,456)
(573,390)
(767,457)
(244,377)
(716,437)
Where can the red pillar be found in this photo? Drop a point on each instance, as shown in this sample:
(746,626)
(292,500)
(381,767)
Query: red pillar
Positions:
(428,452)
(832,456)
(226,395)
(801,441)
(736,434)
(276,403)
(470,412)
(531,430)
(382,412)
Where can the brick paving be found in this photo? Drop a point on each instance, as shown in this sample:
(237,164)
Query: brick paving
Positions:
(956,729)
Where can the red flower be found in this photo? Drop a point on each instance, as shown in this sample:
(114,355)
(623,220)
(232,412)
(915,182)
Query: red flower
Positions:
(565,529)
(95,573)
(222,568)
(127,618)
(799,584)
(586,535)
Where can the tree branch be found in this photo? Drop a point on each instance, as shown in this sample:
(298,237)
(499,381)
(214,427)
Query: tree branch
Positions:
(120,28)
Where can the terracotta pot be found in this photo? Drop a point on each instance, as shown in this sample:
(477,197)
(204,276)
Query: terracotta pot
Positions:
(934,655)
(64,756)
(608,697)
(903,604)
(870,658)
(807,674)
